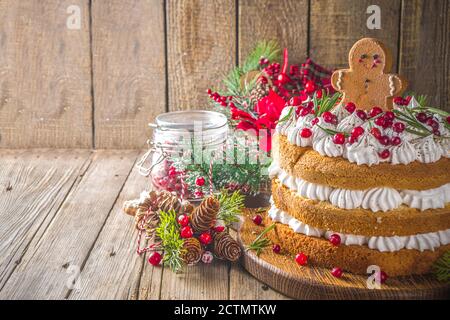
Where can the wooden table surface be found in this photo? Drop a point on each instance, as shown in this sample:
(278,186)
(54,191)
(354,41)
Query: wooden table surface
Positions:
(61,220)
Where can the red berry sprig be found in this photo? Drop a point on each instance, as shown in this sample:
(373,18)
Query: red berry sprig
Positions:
(200,181)
(183,220)
(205,238)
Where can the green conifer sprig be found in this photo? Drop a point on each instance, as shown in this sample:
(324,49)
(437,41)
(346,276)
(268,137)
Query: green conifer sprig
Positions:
(231,205)
(169,233)
(441,268)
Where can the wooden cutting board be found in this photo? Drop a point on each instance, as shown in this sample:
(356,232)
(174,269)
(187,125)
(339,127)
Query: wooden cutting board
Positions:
(283,274)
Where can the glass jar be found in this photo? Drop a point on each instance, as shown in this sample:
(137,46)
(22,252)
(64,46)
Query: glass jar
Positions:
(180,140)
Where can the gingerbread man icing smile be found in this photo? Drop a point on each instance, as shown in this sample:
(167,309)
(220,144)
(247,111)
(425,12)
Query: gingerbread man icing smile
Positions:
(368,82)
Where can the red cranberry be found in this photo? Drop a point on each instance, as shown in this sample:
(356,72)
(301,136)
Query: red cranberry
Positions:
(389,115)
(305,133)
(361,114)
(327,117)
(319,94)
(314,121)
(350,107)
(155,258)
(305,111)
(352,139)
(376,132)
(301,259)
(387,123)
(295,101)
(395,141)
(183,220)
(382,276)
(219,228)
(375,111)
(448,119)
(310,86)
(384,140)
(336,272)
(436,132)
(205,238)
(422,117)
(335,239)
(399,127)
(385,154)
(186,232)
(357,131)
(433,123)
(339,138)
(257,219)
(200,181)
(198,194)
(380,121)
(276,248)
(284,78)
(209,91)
(398,101)
(172,171)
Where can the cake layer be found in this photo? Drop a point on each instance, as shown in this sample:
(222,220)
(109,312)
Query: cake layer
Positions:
(375,199)
(353,258)
(305,163)
(403,221)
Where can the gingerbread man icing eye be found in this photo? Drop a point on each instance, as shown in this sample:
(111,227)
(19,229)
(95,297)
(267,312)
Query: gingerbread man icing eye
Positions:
(367,82)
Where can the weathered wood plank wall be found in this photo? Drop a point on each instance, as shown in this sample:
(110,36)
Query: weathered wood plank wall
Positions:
(98,86)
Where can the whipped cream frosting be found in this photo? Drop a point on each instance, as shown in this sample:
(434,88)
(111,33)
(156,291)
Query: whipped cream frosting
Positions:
(421,242)
(375,199)
(367,148)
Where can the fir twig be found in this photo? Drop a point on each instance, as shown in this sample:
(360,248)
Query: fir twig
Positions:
(326,103)
(260,242)
(267,49)
(441,268)
(169,233)
(231,206)
(332,132)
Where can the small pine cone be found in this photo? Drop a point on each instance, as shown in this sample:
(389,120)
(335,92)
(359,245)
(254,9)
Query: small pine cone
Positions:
(168,201)
(192,251)
(204,216)
(186,208)
(225,247)
(130,207)
(143,203)
(260,91)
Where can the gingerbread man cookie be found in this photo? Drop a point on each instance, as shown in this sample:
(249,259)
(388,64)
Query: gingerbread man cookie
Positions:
(368,82)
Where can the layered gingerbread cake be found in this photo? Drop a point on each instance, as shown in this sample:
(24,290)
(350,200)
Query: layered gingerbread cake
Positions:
(364,178)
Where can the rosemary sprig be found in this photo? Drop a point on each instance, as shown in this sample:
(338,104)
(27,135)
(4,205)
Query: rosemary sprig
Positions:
(326,103)
(169,233)
(260,242)
(288,116)
(231,206)
(441,268)
(409,118)
(333,132)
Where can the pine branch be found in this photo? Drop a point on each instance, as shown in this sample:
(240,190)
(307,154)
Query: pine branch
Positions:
(441,268)
(231,206)
(169,233)
(267,49)
(260,242)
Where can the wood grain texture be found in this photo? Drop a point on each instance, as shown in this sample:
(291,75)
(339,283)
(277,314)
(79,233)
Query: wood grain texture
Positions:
(50,264)
(201,38)
(113,262)
(33,185)
(284,21)
(128,70)
(335,25)
(283,274)
(425,49)
(45,76)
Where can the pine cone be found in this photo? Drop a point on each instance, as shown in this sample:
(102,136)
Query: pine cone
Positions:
(168,201)
(193,251)
(204,216)
(186,208)
(260,90)
(225,247)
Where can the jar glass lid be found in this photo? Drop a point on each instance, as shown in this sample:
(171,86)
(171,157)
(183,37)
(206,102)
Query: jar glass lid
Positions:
(187,119)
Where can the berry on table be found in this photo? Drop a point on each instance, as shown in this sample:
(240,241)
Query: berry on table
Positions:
(335,239)
(276,248)
(301,259)
(336,272)
(257,219)
(205,238)
(155,258)
(183,220)
(186,232)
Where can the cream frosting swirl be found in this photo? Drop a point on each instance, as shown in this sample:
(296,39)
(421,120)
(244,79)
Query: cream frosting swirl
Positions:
(427,150)
(403,153)
(421,242)
(374,199)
